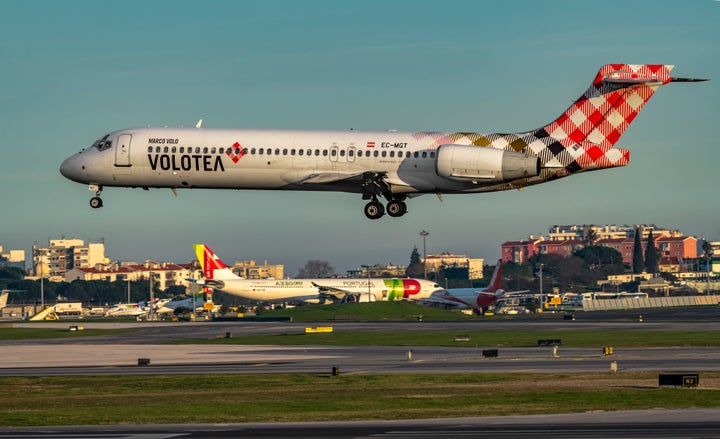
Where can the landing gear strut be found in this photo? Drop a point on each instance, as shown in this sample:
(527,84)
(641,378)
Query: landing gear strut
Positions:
(96,201)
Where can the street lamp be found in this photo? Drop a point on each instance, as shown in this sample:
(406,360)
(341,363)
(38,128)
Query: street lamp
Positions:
(367,269)
(424,235)
(542,297)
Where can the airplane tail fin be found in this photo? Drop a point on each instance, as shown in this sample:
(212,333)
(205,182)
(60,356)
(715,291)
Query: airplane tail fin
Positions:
(213,267)
(4,298)
(584,136)
(496,279)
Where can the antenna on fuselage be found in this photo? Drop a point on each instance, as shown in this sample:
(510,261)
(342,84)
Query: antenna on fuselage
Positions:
(199,124)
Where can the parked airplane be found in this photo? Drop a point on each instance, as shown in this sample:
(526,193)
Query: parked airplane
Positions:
(4,294)
(128,309)
(390,164)
(477,299)
(219,277)
(197,302)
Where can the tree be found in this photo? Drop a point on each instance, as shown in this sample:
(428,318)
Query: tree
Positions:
(316,269)
(651,260)
(638,263)
(415,269)
(590,236)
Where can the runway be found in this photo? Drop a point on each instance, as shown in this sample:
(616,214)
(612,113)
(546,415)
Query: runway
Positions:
(693,423)
(118,354)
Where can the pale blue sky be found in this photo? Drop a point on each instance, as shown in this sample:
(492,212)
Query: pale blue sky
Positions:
(72,71)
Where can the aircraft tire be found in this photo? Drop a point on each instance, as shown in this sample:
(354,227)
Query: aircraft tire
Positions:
(396,208)
(374,210)
(96,202)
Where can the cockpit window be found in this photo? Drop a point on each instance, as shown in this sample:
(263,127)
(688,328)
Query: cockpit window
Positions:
(102,144)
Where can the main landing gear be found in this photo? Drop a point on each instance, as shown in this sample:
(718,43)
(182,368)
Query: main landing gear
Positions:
(374,185)
(395,208)
(96,202)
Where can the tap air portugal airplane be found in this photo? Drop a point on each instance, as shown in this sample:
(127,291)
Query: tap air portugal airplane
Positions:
(219,277)
(377,164)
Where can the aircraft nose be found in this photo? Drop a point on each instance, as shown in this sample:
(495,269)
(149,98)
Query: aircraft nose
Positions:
(73,168)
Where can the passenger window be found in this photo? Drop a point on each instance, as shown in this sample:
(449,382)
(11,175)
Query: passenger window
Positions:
(245,151)
(417,154)
(309,152)
(424,154)
(375,153)
(408,154)
(197,150)
(384,153)
(285,151)
(212,151)
(205,150)
(342,153)
(324,152)
(252,151)
(300,151)
(333,152)
(277,151)
(174,149)
(149,148)
(432,154)
(182,150)
(260,151)
(220,151)
(392,153)
(165,150)
(269,151)
(351,153)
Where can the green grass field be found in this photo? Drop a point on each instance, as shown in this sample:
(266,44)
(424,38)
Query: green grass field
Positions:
(274,398)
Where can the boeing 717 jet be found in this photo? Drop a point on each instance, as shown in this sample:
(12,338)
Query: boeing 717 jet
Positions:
(377,164)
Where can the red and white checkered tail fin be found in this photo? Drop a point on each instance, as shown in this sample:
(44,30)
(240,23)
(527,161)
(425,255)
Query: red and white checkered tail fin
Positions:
(602,114)
(213,267)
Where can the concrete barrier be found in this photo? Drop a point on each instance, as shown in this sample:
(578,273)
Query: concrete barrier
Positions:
(651,302)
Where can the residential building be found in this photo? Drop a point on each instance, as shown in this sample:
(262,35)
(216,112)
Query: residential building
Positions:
(62,255)
(250,270)
(520,251)
(164,275)
(378,270)
(12,258)
(434,262)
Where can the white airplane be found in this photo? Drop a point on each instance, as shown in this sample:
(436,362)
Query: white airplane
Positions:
(477,299)
(390,164)
(198,302)
(127,310)
(219,277)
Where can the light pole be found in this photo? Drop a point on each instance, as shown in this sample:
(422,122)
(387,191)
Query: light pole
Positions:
(367,269)
(542,297)
(424,235)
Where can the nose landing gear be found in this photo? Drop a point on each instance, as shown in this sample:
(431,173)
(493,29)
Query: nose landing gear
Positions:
(96,202)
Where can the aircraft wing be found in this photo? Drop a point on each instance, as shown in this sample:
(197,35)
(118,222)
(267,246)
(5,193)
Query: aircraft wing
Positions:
(336,293)
(514,293)
(332,177)
(361,179)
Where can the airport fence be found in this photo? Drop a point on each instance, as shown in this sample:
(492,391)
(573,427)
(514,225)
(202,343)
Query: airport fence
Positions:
(650,302)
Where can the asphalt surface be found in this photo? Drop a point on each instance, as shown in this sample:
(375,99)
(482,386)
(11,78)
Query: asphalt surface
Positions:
(118,354)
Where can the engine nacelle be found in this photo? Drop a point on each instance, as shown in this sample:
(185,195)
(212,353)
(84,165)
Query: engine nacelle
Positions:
(484,164)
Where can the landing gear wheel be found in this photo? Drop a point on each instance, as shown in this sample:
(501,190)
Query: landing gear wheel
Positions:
(396,208)
(96,202)
(374,210)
